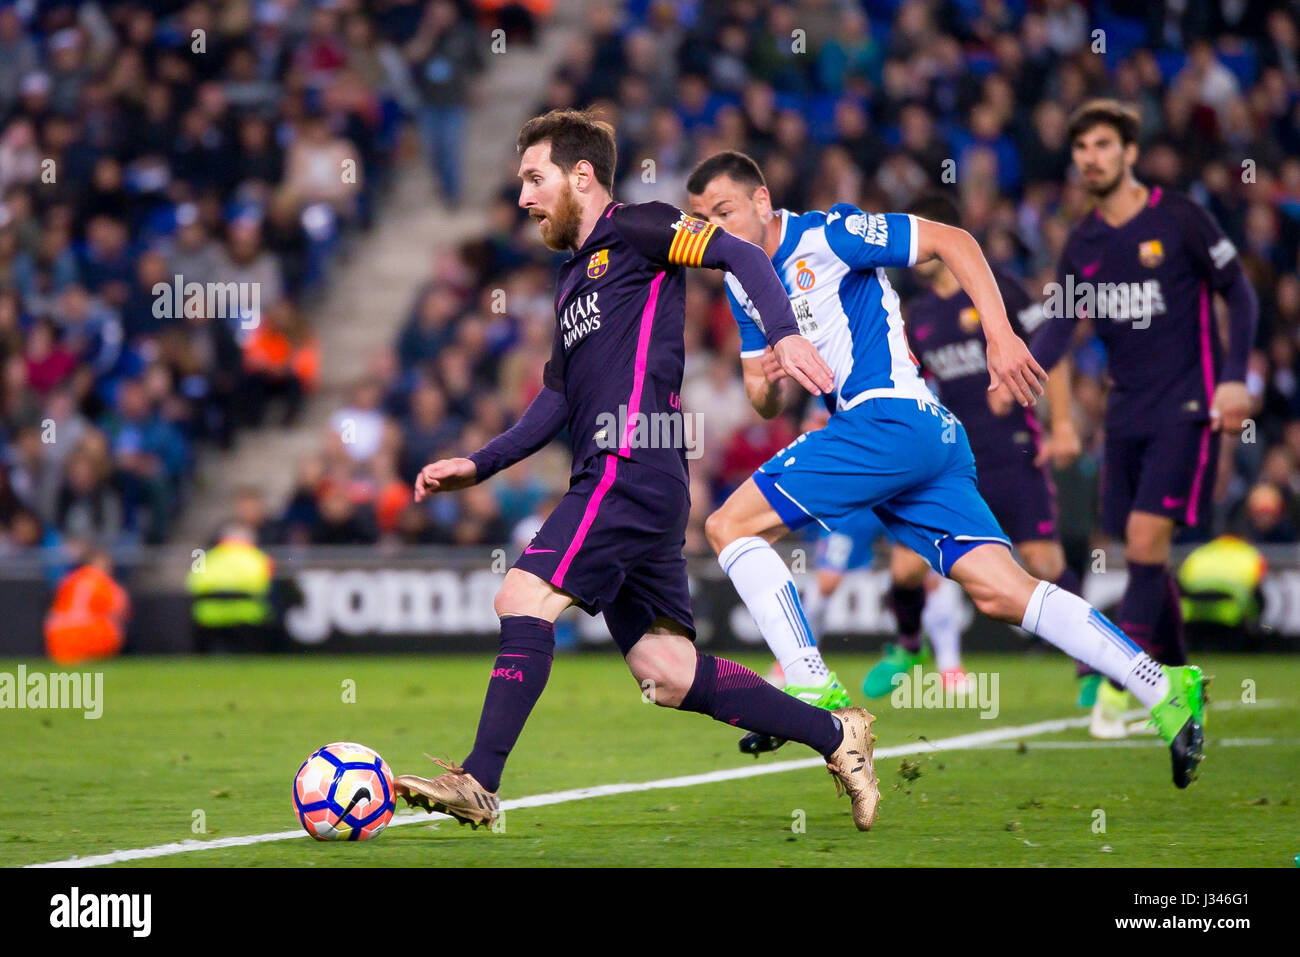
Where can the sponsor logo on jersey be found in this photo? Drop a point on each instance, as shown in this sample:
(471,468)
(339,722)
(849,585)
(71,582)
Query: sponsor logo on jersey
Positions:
(957,359)
(580,317)
(872,227)
(969,318)
(805,277)
(1221,253)
(803,314)
(1151,253)
(1031,317)
(597,264)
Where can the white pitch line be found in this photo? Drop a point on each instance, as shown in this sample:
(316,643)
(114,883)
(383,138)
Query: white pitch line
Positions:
(1130,743)
(977,739)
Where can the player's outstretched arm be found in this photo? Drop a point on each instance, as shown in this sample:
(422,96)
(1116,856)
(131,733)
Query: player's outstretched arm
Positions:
(663,233)
(798,357)
(1008,357)
(444,475)
(542,421)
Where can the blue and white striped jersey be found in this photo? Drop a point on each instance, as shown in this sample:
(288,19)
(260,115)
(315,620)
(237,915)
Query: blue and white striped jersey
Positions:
(833,267)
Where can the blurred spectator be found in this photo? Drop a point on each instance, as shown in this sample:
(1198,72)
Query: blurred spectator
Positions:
(231,591)
(87,619)
(281,361)
(1220,584)
(127,164)
(360,425)
(444,55)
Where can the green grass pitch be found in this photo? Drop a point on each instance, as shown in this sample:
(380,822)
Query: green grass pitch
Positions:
(219,741)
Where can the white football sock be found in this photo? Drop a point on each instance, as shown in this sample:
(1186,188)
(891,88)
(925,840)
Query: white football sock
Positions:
(941,620)
(765,586)
(1082,632)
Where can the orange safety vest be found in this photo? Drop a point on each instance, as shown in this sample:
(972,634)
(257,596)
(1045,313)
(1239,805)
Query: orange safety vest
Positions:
(85,620)
(271,350)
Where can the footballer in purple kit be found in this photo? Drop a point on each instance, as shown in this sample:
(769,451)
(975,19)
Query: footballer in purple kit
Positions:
(614,542)
(1143,267)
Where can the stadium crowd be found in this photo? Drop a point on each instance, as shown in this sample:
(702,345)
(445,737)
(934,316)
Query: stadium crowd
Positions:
(875,104)
(148,142)
(211,166)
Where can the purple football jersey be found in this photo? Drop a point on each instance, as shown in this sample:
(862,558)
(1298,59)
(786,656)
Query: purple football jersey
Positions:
(947,337)
(1147,287)
(618,350)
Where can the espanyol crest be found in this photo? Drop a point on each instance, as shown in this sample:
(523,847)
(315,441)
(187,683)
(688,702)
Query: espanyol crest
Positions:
(597,264)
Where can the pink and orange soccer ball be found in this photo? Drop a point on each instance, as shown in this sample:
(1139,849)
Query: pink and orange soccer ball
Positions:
(344,792)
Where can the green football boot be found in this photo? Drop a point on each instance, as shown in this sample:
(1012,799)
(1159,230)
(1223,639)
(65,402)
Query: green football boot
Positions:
(831,696)
(1180,719)
(1088,690)
(879,681)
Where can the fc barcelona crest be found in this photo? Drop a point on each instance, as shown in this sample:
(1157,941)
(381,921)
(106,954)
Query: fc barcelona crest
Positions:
(969,319)
(1151,253)
(597,264)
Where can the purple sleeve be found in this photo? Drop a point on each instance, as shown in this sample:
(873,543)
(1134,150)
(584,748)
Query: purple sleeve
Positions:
(753,269)
(1052,341)
(1221,266)
(541,422)
(1243,314)
(1025,314)
(1056,332)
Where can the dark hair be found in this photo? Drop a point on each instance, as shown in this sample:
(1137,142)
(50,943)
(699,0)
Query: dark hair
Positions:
(938,208)
(574,135)
(1122,117)
(738,166)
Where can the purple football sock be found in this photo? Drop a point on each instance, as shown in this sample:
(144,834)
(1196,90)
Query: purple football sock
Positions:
(907,603)
(1170,640)
(1139,609)
(734,695)
(518,677)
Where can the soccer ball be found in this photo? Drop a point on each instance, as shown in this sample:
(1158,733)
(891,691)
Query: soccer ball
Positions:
(344,792)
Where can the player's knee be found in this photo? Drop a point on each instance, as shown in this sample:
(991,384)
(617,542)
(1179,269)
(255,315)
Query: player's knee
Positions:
(1148,551)
(664,667)
(719,530)
(518,595)
(988,600)
(1002,597)
(665,680)
(1147,539)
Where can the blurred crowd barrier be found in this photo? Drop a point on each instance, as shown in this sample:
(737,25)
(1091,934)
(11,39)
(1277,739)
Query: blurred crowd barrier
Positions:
(344,599)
